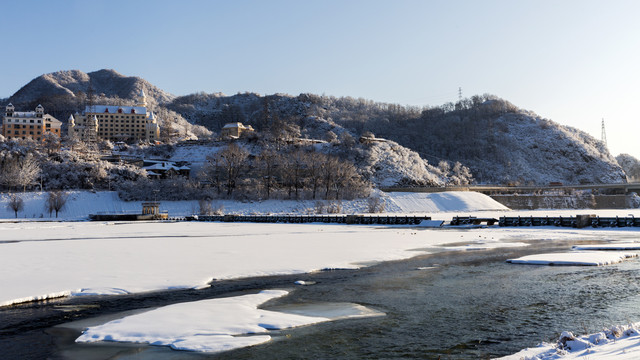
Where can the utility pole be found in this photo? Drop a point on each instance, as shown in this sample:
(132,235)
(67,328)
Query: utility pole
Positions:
(604,134)
(90,95)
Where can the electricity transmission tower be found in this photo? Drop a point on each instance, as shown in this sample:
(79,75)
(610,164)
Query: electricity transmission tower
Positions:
(460,94)
(604,134)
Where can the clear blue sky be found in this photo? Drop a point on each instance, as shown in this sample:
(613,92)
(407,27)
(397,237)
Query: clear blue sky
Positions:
(572,61)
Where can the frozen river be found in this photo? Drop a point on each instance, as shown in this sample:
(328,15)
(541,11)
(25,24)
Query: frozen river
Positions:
(447,293)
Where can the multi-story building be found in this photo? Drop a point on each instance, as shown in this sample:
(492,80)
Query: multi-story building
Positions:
(115,123)
(28,124)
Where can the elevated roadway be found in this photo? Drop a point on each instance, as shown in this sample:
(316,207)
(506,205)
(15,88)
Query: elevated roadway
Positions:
(501,189)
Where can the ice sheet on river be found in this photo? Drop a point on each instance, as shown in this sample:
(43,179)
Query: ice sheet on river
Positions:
(80,258)
(612,246)
(214,325)
(584,258)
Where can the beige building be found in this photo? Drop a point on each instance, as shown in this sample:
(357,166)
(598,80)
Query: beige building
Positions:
(28,125)
(115,123)
(235,129)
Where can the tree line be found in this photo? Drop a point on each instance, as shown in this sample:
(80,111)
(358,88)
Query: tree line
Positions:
(54,201)
(293,174)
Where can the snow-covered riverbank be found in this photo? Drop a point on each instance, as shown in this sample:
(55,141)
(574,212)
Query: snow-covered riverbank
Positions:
(48,259)
(82,203)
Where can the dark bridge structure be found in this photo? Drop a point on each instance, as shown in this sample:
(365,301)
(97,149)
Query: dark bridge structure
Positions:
(302,219)
(620,188)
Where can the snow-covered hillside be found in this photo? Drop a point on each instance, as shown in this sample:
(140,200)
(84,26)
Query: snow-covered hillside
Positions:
(106,82)
(82,203)
(498,141)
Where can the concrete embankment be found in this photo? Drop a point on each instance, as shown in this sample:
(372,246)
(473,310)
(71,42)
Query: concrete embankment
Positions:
(530,202)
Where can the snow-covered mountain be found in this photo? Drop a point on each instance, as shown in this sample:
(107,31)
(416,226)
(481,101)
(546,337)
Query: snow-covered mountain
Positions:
(499,142)
(107,83)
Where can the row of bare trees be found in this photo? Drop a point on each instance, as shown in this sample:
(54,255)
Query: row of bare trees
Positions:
(54,201)
(295,173)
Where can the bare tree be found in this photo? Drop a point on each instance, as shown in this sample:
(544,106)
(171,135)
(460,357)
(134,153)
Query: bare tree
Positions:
(346,140)
(328,172)
(267,165)
(206,207)
(345,177)
(56,200)
(232,160)
(461,174)
(314,163)
(293,165)
(445,170)
(51,143)
(15,203)
(212,171)
(375,204)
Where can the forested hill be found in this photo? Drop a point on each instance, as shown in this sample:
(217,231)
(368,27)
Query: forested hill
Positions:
(499,142)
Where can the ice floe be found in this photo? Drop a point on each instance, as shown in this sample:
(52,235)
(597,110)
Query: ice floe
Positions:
(584,258)
(217,325)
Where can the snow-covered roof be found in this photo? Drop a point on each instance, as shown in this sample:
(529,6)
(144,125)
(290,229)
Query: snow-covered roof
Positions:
(114,109)
(236,125)
(159,166)
(25,114)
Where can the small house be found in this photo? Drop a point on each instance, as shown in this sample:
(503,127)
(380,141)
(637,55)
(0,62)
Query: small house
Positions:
(235,129)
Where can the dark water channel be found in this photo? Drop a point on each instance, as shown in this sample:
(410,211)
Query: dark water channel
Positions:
(463,305)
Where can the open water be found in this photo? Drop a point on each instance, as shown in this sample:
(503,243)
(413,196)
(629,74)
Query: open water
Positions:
(460,305)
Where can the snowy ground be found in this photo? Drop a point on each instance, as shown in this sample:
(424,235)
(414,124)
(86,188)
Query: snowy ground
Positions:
(441,206)
(46,259)
(83,203)
(618,342)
